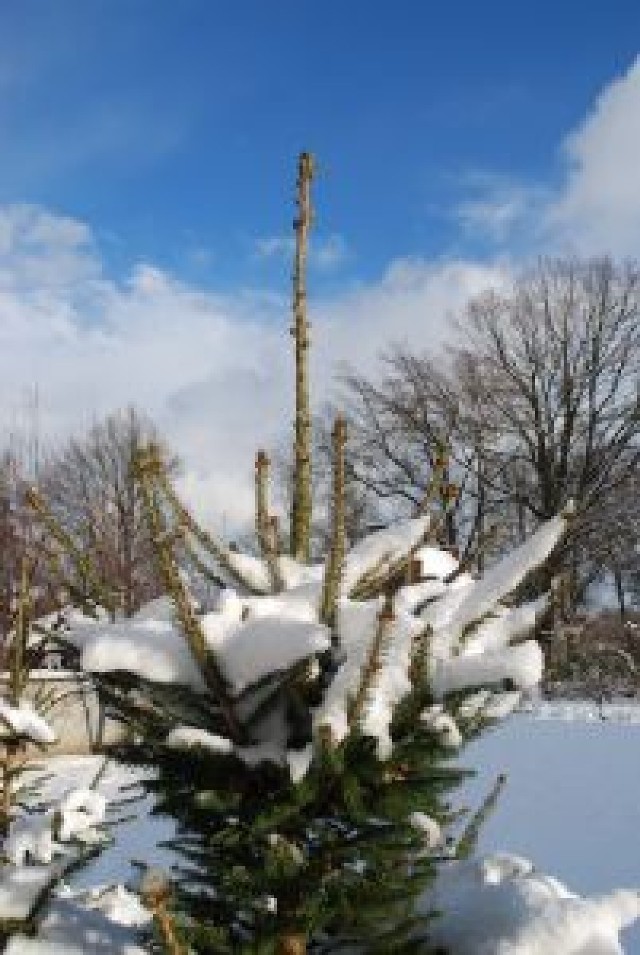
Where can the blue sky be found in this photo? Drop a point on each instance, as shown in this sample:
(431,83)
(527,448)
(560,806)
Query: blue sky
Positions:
(172,127)
(146,191)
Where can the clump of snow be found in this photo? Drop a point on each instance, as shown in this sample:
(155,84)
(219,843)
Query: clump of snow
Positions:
(412,596)
(436,562)
(379,551)
(30,840)
(251,649)
(161,609)
(251,569)
(429,827)
(24,721)
(357,623)
(186,737)
(473,704)
(117,903)
(150,647)
(501,705)
(505,625)
(520,665)
(501,579)
(298,761)
(81,812)
(294,574)
(443,725)
(501,906)
(21,886)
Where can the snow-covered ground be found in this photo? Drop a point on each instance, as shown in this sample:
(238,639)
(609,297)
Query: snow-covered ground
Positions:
(571,806)
(572,801)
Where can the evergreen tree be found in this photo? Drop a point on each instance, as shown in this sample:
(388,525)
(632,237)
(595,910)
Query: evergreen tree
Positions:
(303,741)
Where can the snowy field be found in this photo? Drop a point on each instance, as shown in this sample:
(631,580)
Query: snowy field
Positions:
(571,804)
(572,801)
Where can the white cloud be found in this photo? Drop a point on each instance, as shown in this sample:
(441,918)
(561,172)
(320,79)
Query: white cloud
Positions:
(500,207)
(599,208)
(595,210)
(214,371)
(325,252)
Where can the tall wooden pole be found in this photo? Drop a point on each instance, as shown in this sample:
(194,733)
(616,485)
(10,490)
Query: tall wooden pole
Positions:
(301,503)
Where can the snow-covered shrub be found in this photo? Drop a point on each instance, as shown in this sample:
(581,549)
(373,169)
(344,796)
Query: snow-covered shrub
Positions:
(307,765)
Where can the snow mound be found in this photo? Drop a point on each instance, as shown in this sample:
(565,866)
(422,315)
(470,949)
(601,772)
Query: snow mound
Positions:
(500,905)
(101,922)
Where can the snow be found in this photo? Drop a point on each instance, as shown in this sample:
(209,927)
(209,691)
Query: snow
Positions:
(413,595)
(103,922)
(429,827)
(251,569)
(186,737)
(501,906)
(357,624)
(443,725)
(476,644)
(81,811)
(149,647)
(25,721)
(583,711)
(506,574)
(381,550)
(295,574)
(504,625)
(276,634)
(20,886)
(585,791)
(435,562)
(30,839)
(521,665)
(482,596)
(570,804)
(501,705)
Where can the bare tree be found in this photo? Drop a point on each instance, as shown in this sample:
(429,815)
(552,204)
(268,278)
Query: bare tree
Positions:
(414,433)
(92,489)
(560,359)
(539,405)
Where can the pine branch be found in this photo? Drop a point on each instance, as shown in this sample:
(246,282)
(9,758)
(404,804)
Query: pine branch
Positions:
(335,561)
(221,554)
(373,663)
(469,838)
(149,469)
(267,526)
